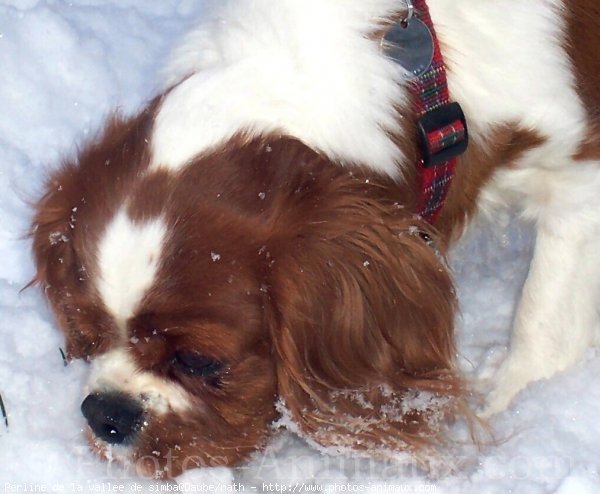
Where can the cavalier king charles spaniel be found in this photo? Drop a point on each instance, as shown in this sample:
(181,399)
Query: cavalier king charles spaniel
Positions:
(251,244)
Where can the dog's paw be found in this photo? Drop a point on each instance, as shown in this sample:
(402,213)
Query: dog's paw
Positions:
(512,377)
(488,369)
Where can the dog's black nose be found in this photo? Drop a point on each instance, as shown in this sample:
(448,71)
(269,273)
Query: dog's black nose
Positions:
(114,417)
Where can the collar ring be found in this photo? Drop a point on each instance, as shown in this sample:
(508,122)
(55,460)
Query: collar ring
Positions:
(410,13)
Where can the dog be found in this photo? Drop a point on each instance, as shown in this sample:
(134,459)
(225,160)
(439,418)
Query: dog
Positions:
(256,241)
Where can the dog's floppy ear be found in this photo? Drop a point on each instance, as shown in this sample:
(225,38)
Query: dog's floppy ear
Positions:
(362,325)
(51,231)
(60,269)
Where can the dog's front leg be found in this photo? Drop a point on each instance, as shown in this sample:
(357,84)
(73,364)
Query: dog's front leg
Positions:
(558,316)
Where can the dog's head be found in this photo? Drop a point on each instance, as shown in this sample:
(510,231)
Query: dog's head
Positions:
(260,274)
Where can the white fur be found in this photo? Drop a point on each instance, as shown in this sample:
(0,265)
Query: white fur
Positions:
(299,67)
(128,259)
(558,316)
(129,256)
(116,371)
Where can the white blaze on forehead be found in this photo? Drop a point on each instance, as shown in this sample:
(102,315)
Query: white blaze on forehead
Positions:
(128,258)
(116,371)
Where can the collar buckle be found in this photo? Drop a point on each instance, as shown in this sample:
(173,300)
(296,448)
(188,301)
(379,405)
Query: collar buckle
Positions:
(442,134)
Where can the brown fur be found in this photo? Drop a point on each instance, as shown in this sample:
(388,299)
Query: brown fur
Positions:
(502,147)
(582,43)
(349,283)
(321,292)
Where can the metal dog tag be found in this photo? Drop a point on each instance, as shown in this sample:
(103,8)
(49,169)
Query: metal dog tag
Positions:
(409,45)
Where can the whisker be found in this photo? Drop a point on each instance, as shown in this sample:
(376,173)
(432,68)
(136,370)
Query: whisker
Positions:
(64,357)
(3,410)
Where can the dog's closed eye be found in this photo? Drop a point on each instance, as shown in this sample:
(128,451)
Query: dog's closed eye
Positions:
(195,364)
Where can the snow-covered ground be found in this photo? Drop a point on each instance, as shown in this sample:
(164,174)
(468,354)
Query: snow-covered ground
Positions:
(63,66)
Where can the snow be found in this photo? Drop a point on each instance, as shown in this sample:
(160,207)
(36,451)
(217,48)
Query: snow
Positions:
(64,65)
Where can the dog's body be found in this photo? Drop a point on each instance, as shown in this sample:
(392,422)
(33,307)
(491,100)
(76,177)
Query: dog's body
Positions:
(251,235)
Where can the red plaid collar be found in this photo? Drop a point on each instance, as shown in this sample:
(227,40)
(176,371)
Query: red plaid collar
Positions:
(442,128)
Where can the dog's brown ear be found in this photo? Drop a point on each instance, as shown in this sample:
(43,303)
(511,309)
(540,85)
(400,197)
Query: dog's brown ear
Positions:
(54,254)
(61,268)
(362,326)
(52,229)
